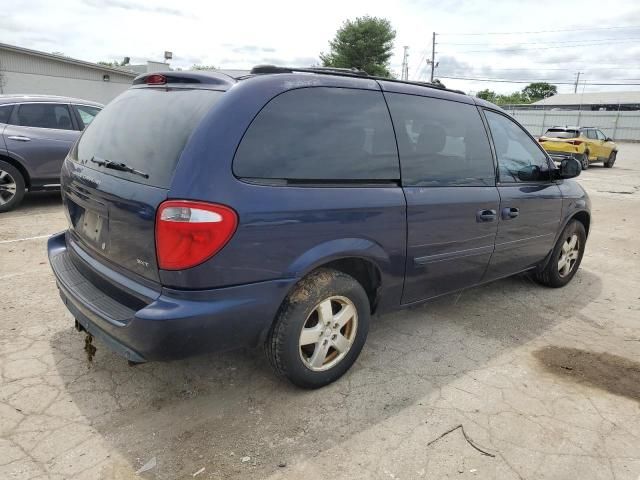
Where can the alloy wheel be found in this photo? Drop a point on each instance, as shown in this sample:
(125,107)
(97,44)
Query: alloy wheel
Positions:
(328,333)
(7,187)
(568,255)
(585,161)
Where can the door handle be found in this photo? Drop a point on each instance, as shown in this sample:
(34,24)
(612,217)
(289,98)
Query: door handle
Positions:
(20,138)
(510,212)
(485,215)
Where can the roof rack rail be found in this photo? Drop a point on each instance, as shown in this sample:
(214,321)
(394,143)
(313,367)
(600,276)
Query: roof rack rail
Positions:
(330,70)
(344,72)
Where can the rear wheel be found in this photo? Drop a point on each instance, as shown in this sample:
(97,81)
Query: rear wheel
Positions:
(612,159)
(565,258)
(320,329)
(584,161)
(12,187)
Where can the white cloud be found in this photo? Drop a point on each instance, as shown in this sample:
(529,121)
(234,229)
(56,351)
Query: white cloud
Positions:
(245,33)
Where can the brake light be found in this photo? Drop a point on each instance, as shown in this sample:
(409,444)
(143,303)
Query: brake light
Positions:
(576,142)
(188,233)
(156,79)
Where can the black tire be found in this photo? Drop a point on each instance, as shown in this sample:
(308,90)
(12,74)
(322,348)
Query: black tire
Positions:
(612,159)
(12,187)
(584,160)
(551,275)
(297,312)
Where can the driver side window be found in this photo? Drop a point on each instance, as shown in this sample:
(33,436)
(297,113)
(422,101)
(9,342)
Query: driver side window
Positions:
(519,157)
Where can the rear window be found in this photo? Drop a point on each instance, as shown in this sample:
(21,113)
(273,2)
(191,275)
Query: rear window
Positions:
(320,134)
(561,133)
(145,129)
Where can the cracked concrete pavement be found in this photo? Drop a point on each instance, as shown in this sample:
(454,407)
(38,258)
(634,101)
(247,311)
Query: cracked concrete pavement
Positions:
(546,380)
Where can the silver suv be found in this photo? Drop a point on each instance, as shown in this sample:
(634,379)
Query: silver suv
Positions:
(37,132)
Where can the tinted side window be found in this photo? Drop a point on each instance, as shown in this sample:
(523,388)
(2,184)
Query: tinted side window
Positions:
(515,150)
(45,115)
(5,113)
(440,142)
(87,114)
(320,134)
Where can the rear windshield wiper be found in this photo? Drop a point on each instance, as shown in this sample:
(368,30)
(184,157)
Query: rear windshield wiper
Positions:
(121,167)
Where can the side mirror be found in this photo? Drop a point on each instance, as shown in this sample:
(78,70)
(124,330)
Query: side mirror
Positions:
(570,168)
(530,173)
(608,139)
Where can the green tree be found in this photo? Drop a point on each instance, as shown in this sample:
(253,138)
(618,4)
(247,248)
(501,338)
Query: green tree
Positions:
(114,64)
(511,98)
(486,94)
(365,43)
(197,66)
(539,90)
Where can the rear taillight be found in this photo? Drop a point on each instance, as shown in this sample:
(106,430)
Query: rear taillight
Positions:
(576,142)
(188,233)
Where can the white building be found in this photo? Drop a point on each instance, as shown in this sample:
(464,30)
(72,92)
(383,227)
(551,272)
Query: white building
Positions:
(25,71)
(595,101)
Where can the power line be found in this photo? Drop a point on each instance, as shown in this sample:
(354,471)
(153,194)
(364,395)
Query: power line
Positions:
(518,49)
(501,80)
(564,69)
(417,69)
(599,40)
(544,31)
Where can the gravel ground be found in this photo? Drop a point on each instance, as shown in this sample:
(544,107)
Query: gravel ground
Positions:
(545,383)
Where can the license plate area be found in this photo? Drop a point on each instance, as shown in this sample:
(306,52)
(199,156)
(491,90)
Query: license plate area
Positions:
(93,226)
(90,223)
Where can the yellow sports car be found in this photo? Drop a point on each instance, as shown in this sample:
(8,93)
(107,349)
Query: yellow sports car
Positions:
(587,144)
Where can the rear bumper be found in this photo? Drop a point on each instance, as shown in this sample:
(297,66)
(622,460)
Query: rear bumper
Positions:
(560,151)
(559,156)
(171,323)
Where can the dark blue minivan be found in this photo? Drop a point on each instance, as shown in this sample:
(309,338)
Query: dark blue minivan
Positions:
(283,208)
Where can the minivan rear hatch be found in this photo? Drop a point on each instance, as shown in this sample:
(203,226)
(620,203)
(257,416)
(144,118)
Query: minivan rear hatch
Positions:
(121,170)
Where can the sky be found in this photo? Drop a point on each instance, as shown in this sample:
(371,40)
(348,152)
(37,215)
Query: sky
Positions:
(475,39)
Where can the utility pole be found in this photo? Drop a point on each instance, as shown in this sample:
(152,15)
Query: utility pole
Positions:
(575,88)
(404,75)
(433,55)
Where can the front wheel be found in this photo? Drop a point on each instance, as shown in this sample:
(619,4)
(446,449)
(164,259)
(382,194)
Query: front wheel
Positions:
(565,258)
(612,159)
(320,329)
